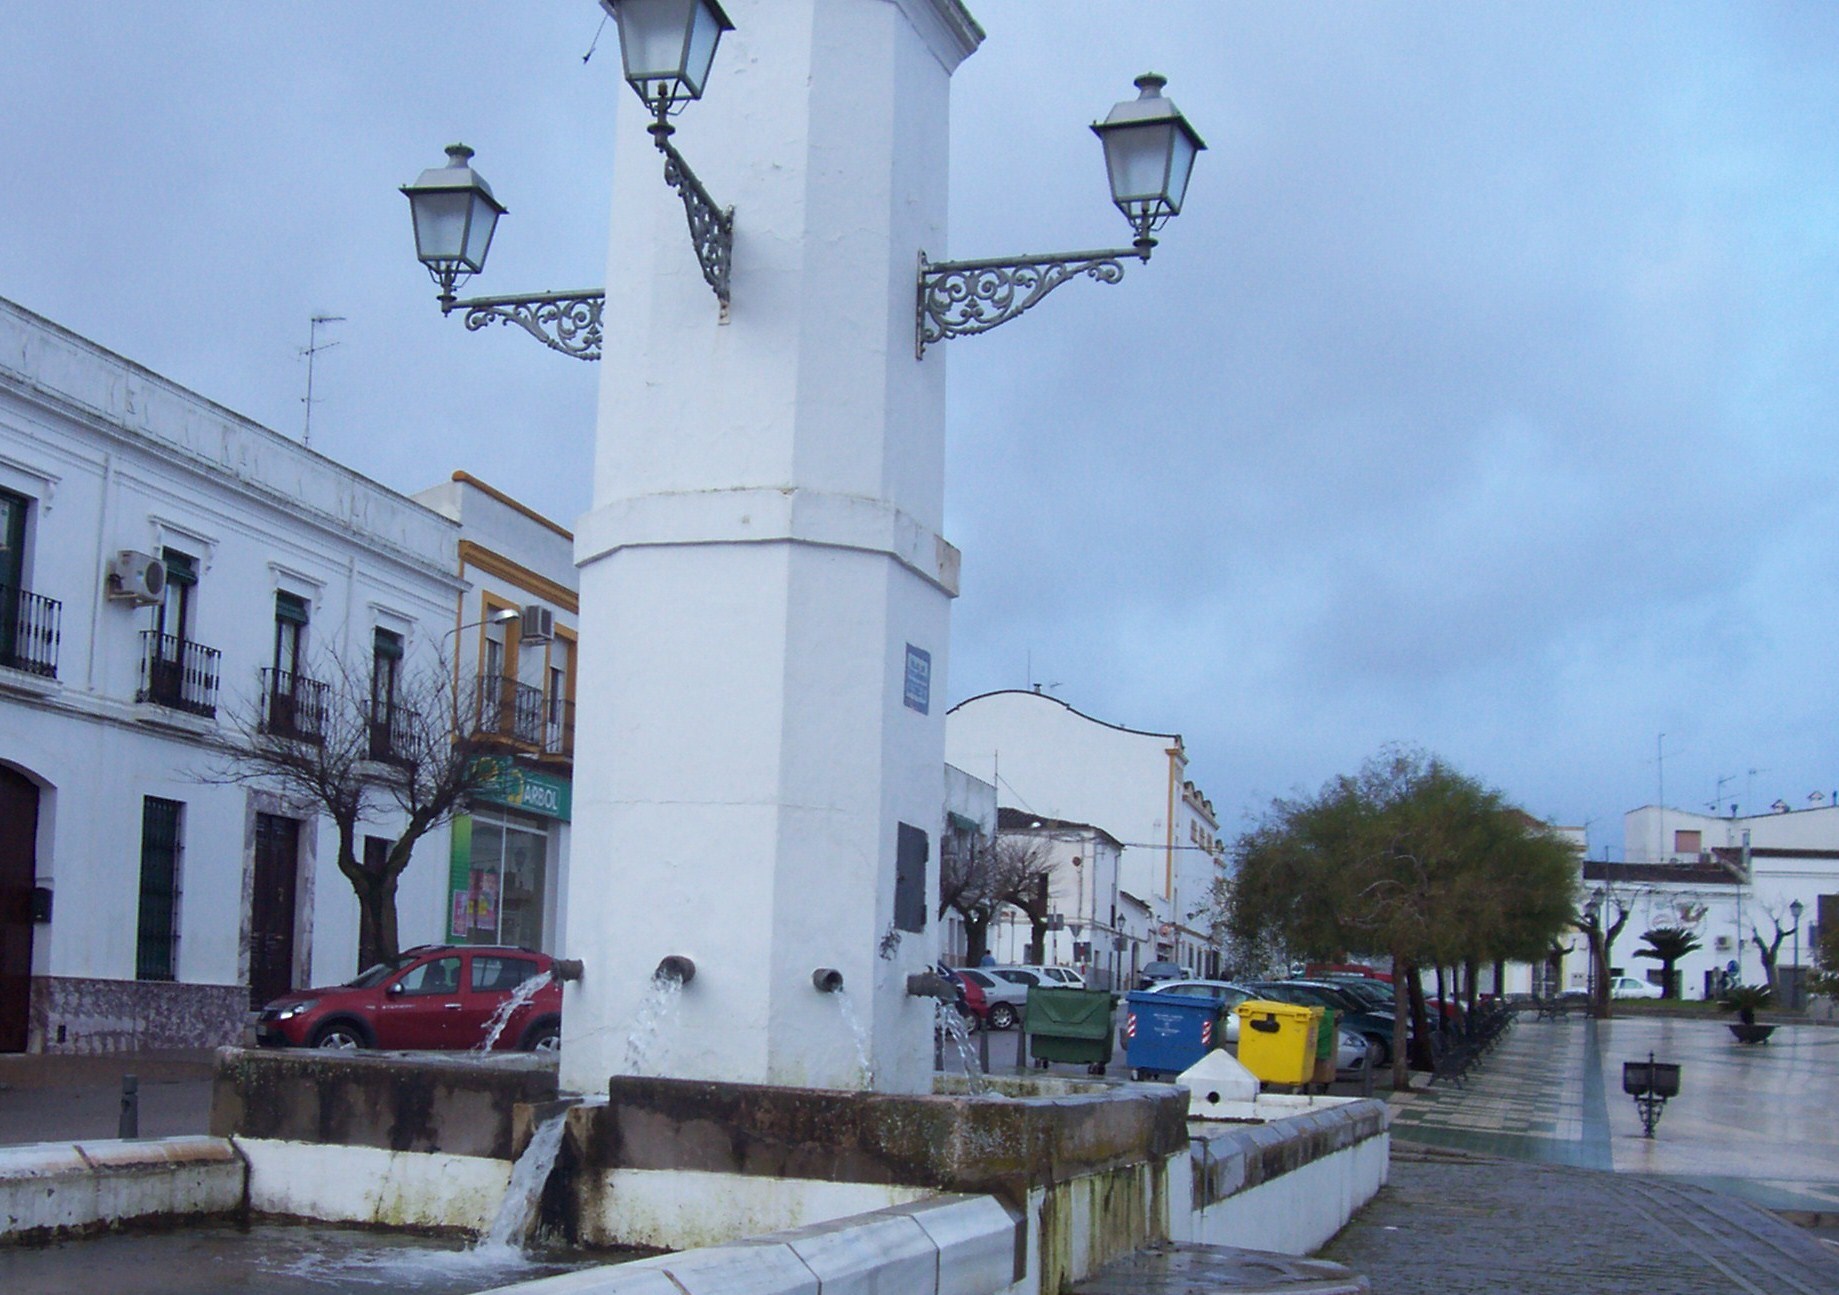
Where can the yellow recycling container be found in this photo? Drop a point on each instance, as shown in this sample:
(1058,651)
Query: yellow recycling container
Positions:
(1277,1040)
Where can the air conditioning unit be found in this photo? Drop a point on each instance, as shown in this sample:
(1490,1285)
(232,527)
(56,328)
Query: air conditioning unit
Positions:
(537,624)
(138,578)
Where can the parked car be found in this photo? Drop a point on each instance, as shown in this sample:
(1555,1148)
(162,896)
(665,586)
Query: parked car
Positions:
(1155,972)
(1061,976)
(435,996)
(1632,987)
(972,1005)
(1006,997)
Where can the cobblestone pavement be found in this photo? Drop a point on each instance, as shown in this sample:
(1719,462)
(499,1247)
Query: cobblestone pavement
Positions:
(1455,1228)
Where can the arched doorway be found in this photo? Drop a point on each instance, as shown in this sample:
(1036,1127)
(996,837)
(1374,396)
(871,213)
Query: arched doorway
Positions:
(18,874)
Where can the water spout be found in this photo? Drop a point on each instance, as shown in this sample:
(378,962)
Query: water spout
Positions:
(930,984)
(676,968)
(828,980)
(567,969)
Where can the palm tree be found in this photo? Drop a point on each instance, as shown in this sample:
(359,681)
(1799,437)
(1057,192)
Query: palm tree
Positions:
(1667,945)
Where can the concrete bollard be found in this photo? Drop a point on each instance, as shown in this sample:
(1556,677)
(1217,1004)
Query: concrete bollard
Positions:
(129,1125)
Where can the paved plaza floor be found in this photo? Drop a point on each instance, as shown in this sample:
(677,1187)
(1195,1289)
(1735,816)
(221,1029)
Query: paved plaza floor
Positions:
(1755,1122)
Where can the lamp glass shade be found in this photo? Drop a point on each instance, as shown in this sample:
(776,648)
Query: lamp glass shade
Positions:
(667,46)
(1149,153)
(454,213)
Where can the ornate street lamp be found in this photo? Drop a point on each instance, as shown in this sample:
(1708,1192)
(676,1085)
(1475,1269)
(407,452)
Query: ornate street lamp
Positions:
(1149,154)
(667,47)
(455,214)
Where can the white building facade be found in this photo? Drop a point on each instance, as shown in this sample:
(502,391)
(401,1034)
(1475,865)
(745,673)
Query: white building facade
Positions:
(1052,762)
(1086,929)
(168,568)
(1727,879)
(514,660)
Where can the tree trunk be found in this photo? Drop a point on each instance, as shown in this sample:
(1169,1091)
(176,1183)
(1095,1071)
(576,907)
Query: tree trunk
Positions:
(1420,1021)
(976,937)
(1599,961)
(1037,942)
(1401,1063)
(1500,980)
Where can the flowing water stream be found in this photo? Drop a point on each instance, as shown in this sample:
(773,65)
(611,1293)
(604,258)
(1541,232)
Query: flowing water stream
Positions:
(501,1015)
(952,1022)
(653,1011)
(847,1010)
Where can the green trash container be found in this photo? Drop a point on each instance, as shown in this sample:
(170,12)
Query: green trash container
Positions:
(1327,1046)
(1069,1025)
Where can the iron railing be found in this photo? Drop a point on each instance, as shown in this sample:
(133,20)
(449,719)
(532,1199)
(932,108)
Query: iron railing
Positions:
(294,706)
(511,710)
(391,731)
(29,631)
(178,674)
(559,728)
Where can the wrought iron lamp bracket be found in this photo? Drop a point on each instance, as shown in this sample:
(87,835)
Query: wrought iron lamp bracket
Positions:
(568,322)
(959,298)
(711,226)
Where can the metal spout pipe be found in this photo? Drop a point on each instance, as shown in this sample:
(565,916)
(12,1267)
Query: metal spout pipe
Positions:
(930,984)
(566,968)
(675,967)
(828,980)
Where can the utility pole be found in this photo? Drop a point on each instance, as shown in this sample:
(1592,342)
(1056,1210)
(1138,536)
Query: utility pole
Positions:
(313,347)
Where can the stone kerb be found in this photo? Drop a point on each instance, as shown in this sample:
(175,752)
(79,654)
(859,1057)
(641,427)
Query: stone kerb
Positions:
(947,1245)
(56,1190)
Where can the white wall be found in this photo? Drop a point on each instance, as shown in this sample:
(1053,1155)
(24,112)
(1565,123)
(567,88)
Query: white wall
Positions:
(113,457)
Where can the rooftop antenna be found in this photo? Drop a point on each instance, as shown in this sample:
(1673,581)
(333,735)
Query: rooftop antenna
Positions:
(313,347)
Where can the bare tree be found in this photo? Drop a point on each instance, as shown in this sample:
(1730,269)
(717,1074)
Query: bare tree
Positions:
(1782,926)
(1601,920)
(970,886)
(357,749)
(1024,869)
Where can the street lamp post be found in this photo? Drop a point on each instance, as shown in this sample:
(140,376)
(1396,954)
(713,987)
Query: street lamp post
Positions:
(1795,910)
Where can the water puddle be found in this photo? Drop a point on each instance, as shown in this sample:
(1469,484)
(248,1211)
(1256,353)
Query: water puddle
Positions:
(276,1259)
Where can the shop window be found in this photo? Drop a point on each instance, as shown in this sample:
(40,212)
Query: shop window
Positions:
(157,934)
(504,904)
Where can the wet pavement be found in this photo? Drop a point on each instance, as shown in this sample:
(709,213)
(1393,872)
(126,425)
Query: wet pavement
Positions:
(1750,1121)
(71,1098)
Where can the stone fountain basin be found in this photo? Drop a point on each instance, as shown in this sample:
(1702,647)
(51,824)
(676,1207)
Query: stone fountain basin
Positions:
(1047,1179)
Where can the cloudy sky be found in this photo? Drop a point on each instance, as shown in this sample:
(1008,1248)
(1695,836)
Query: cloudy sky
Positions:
(1482,399)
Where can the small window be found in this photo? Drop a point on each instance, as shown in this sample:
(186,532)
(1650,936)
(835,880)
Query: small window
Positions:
(1685,842)
(290,638)
(435,976)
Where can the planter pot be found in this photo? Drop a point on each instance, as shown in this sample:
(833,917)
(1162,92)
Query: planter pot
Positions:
(1751,1033)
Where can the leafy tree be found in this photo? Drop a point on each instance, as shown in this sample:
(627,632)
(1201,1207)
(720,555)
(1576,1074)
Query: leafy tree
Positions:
(361,759)
(1824,979)
(1406,859)
(1667,945)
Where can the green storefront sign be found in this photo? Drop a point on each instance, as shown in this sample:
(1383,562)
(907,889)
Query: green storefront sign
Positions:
(507,783)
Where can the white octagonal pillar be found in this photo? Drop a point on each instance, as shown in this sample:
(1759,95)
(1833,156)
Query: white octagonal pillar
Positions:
(765,593)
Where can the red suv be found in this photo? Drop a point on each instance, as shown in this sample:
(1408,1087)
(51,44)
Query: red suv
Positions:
(435,996)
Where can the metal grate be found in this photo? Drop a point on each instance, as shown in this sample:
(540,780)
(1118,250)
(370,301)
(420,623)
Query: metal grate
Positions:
(156,946)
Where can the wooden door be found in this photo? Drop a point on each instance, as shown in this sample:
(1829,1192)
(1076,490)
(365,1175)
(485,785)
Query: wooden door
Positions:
(271,907)
(18,873)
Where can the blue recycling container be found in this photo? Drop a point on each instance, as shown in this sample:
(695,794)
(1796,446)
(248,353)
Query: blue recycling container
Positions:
(1164,1034)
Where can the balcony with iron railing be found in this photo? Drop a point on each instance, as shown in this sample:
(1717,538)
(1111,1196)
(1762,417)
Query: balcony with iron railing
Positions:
(294,706)
(178,674)
(392,730)
(29,632)
(523,717)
